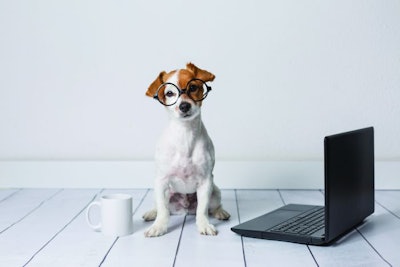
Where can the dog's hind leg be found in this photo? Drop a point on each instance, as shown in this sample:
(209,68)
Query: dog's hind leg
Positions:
(220,214)
(215,208)
(151,215)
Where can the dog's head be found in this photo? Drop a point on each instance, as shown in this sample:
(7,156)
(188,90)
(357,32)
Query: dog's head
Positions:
(182,91)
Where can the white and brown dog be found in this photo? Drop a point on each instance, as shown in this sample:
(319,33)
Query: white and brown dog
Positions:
(185,153)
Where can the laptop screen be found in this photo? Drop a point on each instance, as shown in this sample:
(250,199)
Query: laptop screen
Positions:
(349,180)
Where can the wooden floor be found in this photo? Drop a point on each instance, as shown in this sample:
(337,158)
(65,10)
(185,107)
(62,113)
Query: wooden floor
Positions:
(46,227)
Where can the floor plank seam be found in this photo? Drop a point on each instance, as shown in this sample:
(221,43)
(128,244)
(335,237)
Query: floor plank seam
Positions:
(31,211)
(369,243)
(388,210)
(11,195)
(108,251)
(62,229)
(280,195)
(179,241)
(141,201)
(312,255)
(241,237)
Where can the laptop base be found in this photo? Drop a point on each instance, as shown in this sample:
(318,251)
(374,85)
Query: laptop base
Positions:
(260,226)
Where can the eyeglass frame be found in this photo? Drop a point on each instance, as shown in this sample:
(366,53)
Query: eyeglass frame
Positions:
(182,91)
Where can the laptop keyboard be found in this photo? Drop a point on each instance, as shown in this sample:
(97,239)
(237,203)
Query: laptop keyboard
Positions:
(304,224)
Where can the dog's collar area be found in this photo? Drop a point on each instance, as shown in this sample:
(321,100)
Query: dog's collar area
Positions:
(169,93)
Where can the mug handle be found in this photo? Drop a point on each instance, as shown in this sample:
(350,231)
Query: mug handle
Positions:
(96,227)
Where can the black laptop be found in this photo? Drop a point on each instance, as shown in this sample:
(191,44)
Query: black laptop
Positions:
(349,196)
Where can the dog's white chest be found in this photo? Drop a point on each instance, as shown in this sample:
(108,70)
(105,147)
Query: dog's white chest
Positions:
(184,178)
(185,173)
(185,164)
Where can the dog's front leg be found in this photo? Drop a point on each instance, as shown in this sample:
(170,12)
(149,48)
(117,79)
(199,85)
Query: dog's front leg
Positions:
(160,225)
(203,198)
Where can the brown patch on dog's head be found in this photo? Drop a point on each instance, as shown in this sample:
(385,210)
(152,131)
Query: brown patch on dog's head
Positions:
(184,77)
(199,73)
(156,84)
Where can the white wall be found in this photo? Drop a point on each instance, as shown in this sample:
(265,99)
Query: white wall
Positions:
(73,75)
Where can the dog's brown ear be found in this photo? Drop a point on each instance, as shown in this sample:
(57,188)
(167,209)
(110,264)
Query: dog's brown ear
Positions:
(199,73)
(154,85)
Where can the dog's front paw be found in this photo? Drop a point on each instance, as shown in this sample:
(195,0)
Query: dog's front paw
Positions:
(155,230)
(207,229)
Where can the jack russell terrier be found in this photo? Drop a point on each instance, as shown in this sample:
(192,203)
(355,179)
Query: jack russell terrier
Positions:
(185,153)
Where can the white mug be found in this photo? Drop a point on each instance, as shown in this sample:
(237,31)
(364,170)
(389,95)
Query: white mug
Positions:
(116,215)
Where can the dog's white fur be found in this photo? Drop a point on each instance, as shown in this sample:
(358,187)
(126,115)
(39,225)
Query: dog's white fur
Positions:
(184,166)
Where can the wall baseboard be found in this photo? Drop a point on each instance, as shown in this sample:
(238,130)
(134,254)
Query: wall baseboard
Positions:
(140,174)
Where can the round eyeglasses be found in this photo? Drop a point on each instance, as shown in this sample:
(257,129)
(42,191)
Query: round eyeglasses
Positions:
(168,93)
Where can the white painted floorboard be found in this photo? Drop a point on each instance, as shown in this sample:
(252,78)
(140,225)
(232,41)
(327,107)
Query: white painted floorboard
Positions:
(136,250)
(46,227)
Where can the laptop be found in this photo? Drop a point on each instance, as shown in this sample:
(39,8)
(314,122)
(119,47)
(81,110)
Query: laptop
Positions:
(349,196)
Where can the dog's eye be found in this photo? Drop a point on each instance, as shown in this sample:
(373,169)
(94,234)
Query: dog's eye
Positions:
(193,88)
(169,94)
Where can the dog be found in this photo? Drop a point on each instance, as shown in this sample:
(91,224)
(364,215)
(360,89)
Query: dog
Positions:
(185,154)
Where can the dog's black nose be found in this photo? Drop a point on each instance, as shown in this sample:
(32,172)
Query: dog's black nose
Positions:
(185,107)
